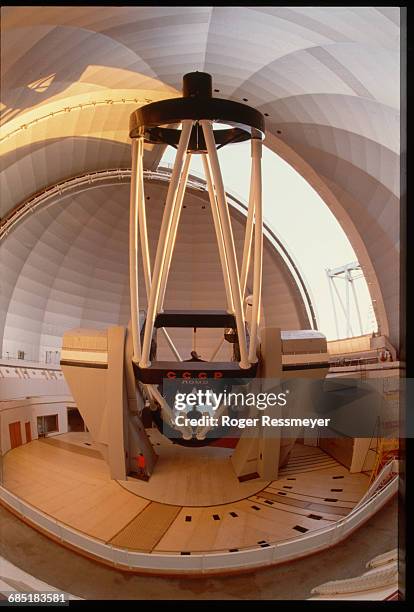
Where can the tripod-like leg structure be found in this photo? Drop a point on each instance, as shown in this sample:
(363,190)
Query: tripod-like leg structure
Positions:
(234,283)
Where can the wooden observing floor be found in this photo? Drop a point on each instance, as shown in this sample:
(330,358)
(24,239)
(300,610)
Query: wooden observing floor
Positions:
(65,477)
(186,476)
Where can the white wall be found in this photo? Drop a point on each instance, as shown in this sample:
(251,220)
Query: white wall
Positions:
(28,410)
(20,380)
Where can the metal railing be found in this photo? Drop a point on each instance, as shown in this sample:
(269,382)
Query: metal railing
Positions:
(388,471)
(204,562)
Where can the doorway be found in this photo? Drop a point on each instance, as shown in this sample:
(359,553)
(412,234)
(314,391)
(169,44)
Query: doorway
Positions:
(75,420)
(28,429)
(15,434)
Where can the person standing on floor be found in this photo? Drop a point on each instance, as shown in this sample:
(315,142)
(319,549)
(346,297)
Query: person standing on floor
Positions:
(142,465)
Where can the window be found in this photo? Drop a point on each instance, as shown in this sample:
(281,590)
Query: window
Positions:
(47,423)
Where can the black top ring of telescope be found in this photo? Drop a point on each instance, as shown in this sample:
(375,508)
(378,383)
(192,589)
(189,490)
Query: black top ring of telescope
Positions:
(196,104)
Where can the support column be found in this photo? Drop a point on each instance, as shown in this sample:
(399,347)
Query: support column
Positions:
(271,442)
(174,227)
(143,235)
(348,325)
(228,241)
(142,221)
(249,233)
(219,233)
(330,282)
(163,242)
(348,332)
(137,145)
(116,402)
(258,247)
(351,280)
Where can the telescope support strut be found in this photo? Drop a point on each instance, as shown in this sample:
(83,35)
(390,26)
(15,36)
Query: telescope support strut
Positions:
(258,247)
(137,146)
(228,241)
(163,242)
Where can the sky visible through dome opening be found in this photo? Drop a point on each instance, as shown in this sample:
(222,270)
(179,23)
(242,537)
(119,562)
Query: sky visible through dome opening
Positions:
(305,225)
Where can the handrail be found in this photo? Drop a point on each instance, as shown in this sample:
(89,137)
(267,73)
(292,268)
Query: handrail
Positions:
(389,468)
(202,562)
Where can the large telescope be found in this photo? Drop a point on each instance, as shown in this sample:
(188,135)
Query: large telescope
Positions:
(195,116)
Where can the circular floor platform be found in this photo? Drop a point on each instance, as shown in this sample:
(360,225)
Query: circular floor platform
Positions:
(69,572)
(65,478)
(206,476)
